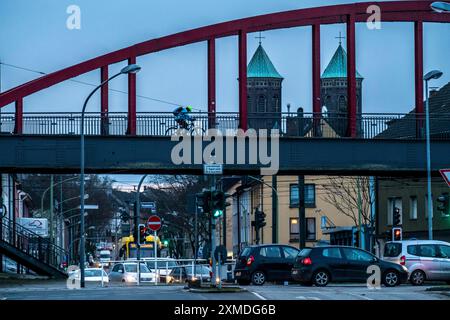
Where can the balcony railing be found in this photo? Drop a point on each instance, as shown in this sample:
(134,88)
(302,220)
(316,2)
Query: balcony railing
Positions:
(309,125)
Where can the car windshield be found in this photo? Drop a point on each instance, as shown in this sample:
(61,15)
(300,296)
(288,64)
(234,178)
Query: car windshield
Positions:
(392,249)
(93,273)
(133,268)
(198,270)
(246,252)
(304,253)
(162,264)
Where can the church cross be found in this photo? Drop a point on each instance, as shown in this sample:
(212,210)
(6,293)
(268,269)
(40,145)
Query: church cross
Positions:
(260,37)
(340,38)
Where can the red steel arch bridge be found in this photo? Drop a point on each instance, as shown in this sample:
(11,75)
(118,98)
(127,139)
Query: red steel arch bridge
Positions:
(48,141)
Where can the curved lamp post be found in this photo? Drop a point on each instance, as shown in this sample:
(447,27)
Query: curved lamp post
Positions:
(132,68)
(435,74)
(441,7)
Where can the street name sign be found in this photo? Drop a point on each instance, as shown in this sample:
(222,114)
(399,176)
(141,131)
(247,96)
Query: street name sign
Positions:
(213,168)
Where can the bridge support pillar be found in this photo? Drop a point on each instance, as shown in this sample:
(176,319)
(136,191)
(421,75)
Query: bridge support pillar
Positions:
(243,80)
(418,76)
(104,101)
(316,103)
(131,100)
(18,119)
(351,77)
(211,83)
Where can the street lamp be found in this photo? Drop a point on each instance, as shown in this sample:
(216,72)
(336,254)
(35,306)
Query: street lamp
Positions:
(435,74)
(132,68)
(441,7)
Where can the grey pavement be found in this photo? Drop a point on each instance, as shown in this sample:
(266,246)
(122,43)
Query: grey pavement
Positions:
(57,290)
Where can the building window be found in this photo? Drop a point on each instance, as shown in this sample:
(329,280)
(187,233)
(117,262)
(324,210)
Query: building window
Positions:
(294,227)
(413,208)
(276,107)
(262,104)
(310,195)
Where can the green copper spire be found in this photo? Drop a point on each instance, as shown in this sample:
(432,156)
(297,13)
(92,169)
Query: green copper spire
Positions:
(337,68)
(261,67)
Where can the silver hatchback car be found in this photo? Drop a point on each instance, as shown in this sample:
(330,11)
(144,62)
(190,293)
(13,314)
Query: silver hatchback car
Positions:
(424,259)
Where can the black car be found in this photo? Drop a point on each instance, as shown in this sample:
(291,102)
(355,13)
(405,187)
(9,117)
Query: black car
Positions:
(269,262)
(321,265)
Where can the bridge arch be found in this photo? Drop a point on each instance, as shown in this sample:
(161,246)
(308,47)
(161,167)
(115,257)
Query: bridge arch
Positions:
(417,12)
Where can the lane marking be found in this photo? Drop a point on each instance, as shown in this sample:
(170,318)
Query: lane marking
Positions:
(307,298)
(358,295)
(258,295)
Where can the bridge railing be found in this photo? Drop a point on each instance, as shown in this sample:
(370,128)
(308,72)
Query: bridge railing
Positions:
(330,125)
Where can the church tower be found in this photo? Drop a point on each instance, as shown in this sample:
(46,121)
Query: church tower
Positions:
(263,92)
(333,92)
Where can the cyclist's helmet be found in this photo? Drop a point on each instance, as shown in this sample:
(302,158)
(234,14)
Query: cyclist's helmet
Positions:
(189,108)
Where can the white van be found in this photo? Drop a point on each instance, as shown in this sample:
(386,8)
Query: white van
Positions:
(105,257)
(424,259)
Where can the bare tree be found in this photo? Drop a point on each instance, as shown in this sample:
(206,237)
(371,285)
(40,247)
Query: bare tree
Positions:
(349,195)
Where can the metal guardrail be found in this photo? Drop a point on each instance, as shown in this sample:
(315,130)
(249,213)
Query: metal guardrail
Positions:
(330,125)
(32,244)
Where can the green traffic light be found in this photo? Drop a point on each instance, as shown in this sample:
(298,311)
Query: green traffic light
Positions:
(217,213)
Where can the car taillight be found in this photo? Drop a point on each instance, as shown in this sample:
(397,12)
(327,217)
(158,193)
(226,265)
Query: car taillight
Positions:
(250,260)
(402,260)
(307,261)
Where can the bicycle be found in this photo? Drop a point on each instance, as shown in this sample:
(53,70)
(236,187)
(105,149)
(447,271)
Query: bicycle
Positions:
(189,126)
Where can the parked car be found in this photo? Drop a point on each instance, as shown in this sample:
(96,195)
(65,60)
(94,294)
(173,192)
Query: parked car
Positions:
(127,272)
(425,259)
(91,275)
(269,262)
(163,265)
(322,265)
(181,274)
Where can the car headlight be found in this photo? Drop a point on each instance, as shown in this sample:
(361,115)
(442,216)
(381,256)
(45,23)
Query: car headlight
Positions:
(130,278)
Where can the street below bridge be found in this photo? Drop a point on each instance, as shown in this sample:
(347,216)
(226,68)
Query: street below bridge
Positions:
(57,290)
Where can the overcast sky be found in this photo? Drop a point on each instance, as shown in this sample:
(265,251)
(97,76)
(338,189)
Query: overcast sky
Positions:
(34,36)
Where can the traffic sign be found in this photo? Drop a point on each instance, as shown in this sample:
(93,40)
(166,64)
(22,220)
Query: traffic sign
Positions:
(148,205)
(154,223)
(446,175)
(212,168)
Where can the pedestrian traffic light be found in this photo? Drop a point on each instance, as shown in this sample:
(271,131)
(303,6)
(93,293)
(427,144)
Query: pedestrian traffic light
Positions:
(142,233)
(165,243)
(444,204)
(396,216)
(397,234)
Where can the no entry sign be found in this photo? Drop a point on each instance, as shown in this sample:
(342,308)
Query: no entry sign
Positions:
(154,223)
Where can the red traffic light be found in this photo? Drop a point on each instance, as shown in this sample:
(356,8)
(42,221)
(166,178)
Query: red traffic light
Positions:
(396,234)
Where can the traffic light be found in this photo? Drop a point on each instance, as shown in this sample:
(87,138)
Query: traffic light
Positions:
(397,234)
(142,233)
(444,204)
(204,201)
(355,238)
(217,203)
(260,219)
(396,216)
(166,243)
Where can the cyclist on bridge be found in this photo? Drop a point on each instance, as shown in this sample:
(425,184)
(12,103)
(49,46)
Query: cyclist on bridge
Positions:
(182,116)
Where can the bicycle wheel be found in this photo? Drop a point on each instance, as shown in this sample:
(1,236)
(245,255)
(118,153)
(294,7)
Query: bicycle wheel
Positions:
(197,131)
(171,130)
